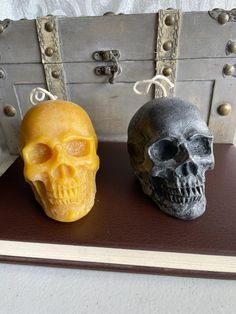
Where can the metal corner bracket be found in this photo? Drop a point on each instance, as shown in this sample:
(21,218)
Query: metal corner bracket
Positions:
(223,16)
(49,42)
(169,22)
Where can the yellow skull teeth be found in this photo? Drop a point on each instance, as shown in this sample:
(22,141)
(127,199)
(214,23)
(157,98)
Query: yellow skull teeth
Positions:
(63,195)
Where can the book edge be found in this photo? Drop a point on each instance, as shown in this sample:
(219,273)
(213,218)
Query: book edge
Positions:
(117,256)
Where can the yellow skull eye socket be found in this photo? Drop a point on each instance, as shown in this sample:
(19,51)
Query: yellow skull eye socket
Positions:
(39,153)
(78,148)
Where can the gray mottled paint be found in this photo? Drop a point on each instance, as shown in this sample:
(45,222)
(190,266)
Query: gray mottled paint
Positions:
(170,149)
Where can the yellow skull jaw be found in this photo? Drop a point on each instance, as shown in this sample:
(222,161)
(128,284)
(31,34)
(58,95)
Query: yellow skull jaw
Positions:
(68,207)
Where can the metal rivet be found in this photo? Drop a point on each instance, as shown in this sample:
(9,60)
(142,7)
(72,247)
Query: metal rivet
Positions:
(106,56)
(49,26)
(9,111)
(55,74)
(224,109)
(1,28)
(167,71)
(2,74)
(223,18)
(49,51)
(228,69)
(232,47)
(167,45)
(109,13)
(98,71)
(169,20)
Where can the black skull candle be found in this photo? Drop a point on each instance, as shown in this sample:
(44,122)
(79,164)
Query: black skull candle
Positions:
(170,148)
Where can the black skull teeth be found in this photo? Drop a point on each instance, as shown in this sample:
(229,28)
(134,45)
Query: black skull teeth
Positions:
(185,190)
(183,194)
(181,199)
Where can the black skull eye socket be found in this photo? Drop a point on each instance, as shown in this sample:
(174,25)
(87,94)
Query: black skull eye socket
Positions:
(200,146)
(163,150)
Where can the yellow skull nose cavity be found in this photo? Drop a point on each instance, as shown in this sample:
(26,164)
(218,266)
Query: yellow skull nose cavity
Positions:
(64,171)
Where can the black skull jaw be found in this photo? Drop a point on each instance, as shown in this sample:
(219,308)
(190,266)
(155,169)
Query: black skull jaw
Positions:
(185,207)
(192,209)
(184,199)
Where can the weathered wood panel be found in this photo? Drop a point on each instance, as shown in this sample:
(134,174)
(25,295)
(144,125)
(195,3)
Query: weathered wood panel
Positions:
(223,127)
(197,92)
(131,71)
(110,108)
(134,36)
(204,69)
(19,43)
(199,76)
(203,37)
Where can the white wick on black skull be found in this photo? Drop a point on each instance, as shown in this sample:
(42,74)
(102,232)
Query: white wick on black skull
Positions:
(170,148)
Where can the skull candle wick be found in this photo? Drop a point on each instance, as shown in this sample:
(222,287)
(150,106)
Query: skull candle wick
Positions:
(58,145)
(170,148)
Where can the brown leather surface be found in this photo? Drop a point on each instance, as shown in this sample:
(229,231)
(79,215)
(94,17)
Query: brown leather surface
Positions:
(123,216)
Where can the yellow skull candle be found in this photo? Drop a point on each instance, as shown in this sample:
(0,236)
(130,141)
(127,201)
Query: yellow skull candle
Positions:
(58,145)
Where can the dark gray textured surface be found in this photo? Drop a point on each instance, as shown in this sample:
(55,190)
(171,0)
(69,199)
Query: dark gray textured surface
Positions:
(170,149)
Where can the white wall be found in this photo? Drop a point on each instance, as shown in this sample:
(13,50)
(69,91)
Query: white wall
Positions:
(17,9)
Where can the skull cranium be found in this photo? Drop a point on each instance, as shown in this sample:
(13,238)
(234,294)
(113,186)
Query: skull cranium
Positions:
(170,149)
(58,145)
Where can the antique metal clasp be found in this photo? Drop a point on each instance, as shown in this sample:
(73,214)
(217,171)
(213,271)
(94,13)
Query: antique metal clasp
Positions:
(111,70)
(4,25)
(223,16)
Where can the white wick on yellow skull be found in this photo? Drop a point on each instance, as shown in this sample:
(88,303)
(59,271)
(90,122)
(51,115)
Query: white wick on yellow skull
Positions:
(58,145)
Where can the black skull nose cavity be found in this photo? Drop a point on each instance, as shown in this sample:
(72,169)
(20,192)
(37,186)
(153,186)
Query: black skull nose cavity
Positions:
(186,169)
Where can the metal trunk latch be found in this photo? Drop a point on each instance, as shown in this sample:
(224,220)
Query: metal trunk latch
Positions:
(113,69)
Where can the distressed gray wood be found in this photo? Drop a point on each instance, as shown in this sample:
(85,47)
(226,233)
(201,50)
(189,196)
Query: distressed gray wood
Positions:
(4,153)
(134,36)
(199,77)
(109,108)
(204,69)
(16,95)
(22,73)
(201,81)
(15,90)
(19,43)
(197,92)
(10,125)
(131,71)
(203,37)
(223,127)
